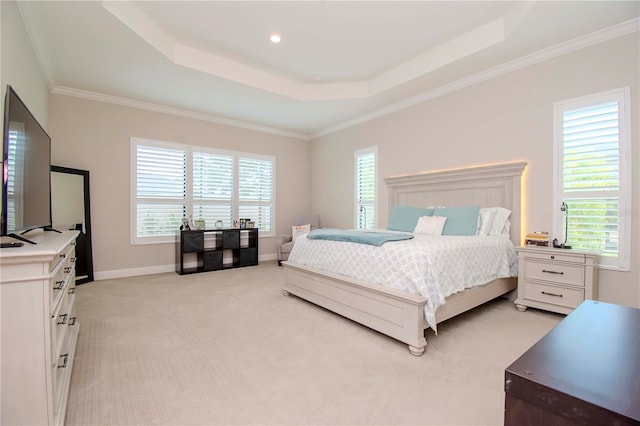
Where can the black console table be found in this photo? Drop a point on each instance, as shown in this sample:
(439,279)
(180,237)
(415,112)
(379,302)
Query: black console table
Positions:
(586,371)
(205,249)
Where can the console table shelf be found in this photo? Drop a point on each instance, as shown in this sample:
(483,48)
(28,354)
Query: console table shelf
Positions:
(208,249)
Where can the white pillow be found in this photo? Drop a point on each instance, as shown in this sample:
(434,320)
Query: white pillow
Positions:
(297,230)
(494,221)
(430,225)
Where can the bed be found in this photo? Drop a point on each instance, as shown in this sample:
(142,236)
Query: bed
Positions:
(396,313)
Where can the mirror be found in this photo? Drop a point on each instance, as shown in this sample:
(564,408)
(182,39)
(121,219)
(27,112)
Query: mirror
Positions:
(70,209)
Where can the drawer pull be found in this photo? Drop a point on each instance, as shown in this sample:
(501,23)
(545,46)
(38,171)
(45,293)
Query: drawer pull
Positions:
(553,272)
(552,257)
(72,321)
(64,319)
(63,255)
(551,294)
(72,290)
(65,359)
(68,269)
(59,285)
(73,259)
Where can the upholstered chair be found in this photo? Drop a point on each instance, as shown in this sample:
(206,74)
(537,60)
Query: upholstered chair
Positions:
(285,243)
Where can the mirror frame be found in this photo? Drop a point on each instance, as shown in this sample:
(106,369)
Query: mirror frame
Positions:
(87,217)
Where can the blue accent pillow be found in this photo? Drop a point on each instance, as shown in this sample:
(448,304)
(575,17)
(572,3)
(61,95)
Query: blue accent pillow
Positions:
(405,218)
(460,220)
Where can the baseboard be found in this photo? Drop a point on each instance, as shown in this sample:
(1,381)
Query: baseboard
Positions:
(158,269)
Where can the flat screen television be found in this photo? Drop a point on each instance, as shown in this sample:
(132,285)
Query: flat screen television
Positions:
(26,176)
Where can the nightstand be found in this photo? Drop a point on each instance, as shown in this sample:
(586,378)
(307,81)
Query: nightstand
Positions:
(556,280)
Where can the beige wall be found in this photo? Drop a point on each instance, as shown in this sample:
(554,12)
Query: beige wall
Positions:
(19,66)
(508,118)
(95,136)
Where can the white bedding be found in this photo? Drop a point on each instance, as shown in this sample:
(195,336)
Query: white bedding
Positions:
(431,266)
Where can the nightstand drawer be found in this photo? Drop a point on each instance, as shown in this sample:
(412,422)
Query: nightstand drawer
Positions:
(562,296)
(556,257)
(555,272)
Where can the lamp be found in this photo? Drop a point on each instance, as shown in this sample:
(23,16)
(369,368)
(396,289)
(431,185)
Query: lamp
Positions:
(564,208)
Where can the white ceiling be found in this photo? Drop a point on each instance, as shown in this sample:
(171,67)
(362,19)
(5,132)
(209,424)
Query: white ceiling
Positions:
(339,63)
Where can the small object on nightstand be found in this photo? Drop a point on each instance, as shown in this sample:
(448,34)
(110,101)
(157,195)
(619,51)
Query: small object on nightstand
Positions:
(537,239)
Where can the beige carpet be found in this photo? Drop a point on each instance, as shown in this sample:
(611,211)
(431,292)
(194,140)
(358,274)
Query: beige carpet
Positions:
(228,347)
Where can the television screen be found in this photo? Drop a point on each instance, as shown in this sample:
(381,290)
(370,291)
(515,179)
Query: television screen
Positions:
(26,176)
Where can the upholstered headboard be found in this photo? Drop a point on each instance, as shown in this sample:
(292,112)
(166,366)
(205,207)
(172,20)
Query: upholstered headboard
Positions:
(487,186)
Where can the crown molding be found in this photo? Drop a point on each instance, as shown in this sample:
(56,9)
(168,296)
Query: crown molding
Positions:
(179,53)
(578,43)
(148,106)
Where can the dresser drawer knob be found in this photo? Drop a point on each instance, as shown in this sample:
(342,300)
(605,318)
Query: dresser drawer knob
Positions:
(72,321)
(73,259)
(551,294)
(552,272)
(65,359)
(63,255)
(59,285)
(68,269)
(552,257)
(63,319)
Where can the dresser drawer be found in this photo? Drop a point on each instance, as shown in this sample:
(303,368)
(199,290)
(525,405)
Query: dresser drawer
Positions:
(554,272)
(562,296)
(556,257)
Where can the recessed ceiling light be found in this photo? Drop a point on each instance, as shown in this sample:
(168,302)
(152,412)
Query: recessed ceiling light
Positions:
(275,38)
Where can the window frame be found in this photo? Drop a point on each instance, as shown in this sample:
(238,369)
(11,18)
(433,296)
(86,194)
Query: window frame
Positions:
(189,193)
(356,211)
(622,96)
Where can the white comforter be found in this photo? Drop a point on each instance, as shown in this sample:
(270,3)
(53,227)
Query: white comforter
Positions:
(431,266)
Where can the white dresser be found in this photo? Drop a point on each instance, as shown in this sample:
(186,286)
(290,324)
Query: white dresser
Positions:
(39,329)
(557,280)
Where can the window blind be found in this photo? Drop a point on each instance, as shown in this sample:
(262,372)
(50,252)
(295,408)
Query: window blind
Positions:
(213,188)
(591,177)
(255,191)
(160,190)
(365,190)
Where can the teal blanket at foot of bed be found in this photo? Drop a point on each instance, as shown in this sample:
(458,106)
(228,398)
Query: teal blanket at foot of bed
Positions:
(362,237)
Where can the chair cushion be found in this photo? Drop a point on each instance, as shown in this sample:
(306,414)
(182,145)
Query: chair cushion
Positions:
(286,247)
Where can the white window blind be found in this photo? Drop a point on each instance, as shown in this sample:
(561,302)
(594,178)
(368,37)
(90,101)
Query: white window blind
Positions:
(160,190)
(255,185)
(591,176)
(173,181)
(366,188)
(213,188)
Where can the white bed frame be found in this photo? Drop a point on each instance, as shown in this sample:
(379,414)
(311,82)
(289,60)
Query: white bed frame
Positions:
(401,315)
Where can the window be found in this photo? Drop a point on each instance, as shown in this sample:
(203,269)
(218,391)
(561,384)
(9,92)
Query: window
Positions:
(171,181)
(592,175)
(366,172)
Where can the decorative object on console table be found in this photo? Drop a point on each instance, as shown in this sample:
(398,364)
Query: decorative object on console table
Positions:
(556,280)
(206,249)
(583,372)
(39,329)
